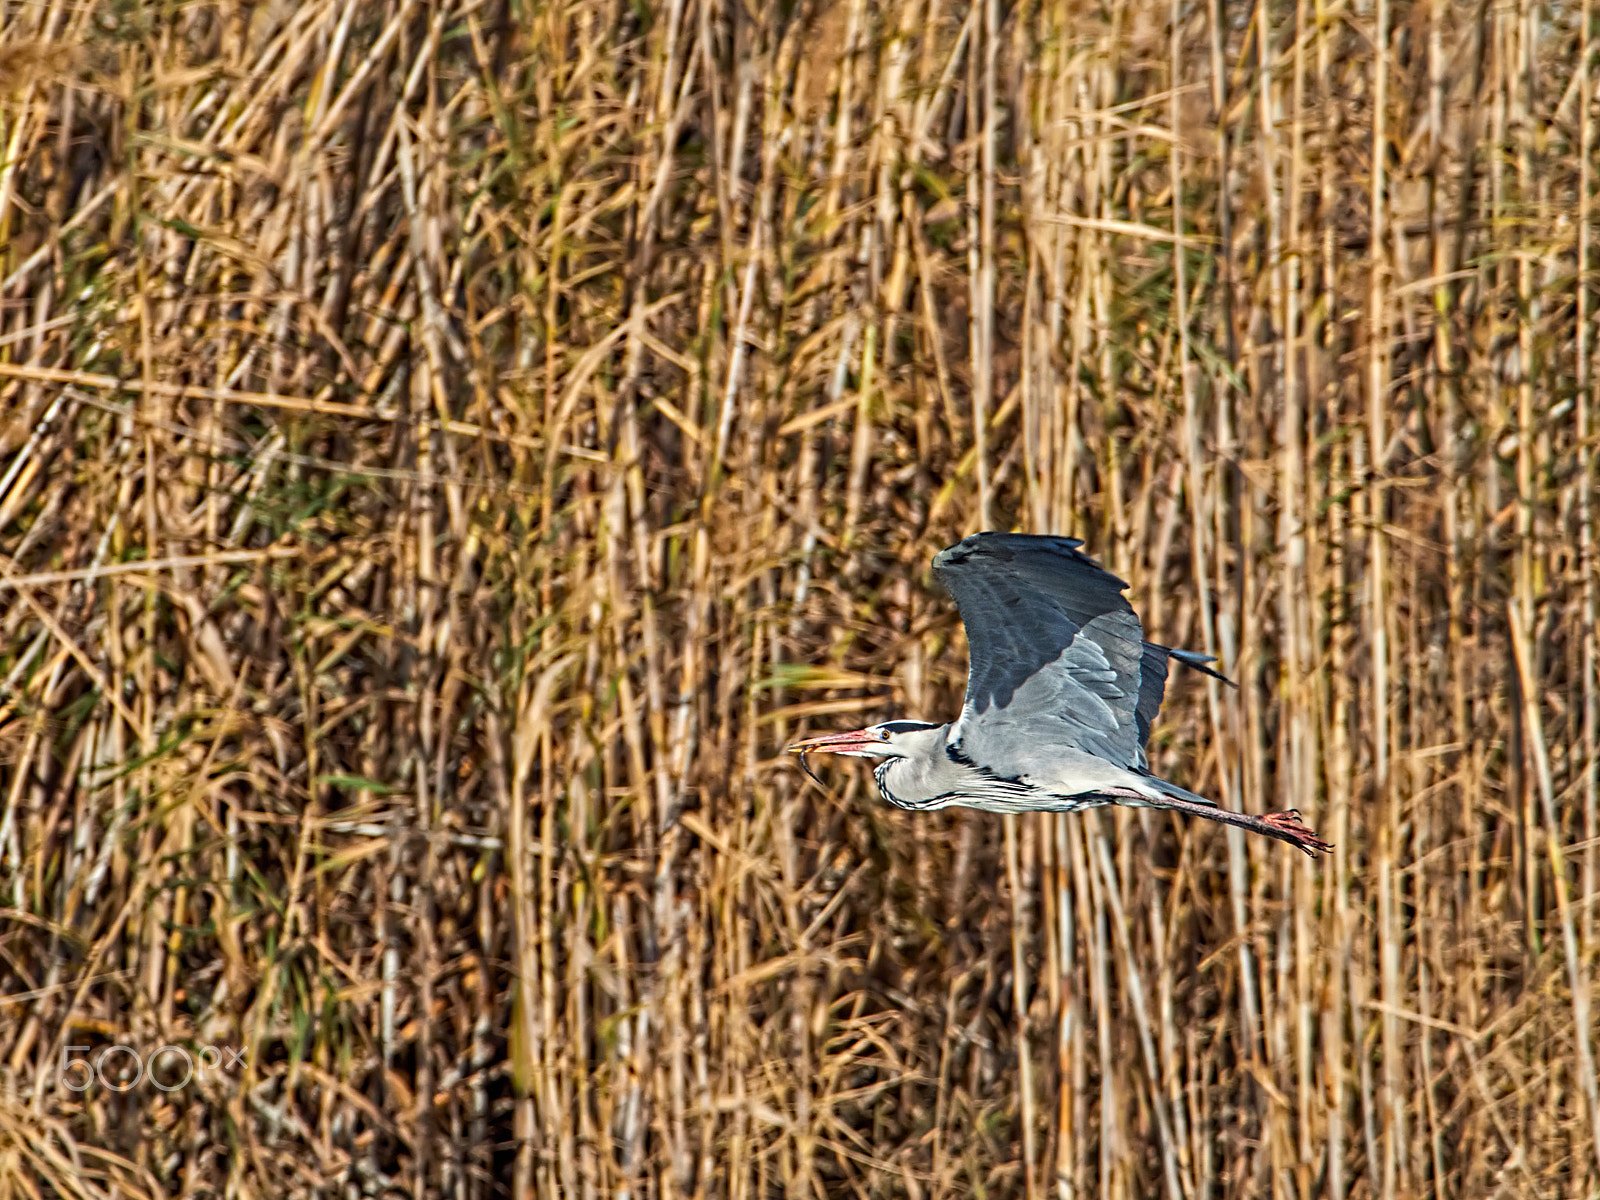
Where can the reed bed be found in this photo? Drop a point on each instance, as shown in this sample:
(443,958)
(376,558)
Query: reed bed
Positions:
(449,448)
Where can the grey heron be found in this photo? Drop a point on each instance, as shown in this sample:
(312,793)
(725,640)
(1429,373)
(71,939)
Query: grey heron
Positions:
(1061,691)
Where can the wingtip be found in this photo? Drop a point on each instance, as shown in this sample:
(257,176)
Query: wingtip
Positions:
(1005,545)
(995,536)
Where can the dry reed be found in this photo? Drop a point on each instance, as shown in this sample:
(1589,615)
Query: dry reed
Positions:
(449,448)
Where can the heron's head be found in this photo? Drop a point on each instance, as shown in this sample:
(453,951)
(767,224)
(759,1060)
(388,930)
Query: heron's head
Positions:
(892,739)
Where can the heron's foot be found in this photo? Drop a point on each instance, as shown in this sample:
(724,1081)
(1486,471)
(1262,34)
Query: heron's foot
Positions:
(1288,827)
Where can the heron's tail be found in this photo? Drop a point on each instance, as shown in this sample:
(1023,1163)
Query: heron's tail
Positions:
(1178,797)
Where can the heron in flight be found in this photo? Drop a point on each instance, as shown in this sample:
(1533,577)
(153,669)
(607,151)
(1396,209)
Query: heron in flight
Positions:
(1061,691)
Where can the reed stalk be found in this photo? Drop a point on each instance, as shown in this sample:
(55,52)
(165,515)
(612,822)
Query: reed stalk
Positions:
(448,451)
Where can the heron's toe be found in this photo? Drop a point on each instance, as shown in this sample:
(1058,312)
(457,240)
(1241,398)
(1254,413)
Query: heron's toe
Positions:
(1294,831)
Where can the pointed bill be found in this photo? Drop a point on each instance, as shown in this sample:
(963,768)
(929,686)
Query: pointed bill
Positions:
(854,742)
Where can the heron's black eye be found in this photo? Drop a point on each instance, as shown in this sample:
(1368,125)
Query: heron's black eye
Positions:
(907,726)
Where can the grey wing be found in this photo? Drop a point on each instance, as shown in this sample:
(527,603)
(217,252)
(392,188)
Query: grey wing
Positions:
(1058,662)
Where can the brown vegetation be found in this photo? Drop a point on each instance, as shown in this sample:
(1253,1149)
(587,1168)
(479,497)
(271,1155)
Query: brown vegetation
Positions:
(448,449)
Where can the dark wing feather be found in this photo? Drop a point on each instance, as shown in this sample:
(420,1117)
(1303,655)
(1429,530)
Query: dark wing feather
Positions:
(1057,655)
(1152,687)
(1153,680)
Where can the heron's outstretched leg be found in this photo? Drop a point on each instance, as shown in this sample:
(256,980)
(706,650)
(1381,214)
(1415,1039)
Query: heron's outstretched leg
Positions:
(1285,826)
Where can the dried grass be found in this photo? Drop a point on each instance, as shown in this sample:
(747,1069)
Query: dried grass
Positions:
(449,449)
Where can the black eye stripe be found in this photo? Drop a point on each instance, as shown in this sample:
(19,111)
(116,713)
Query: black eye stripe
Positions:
(907,726)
